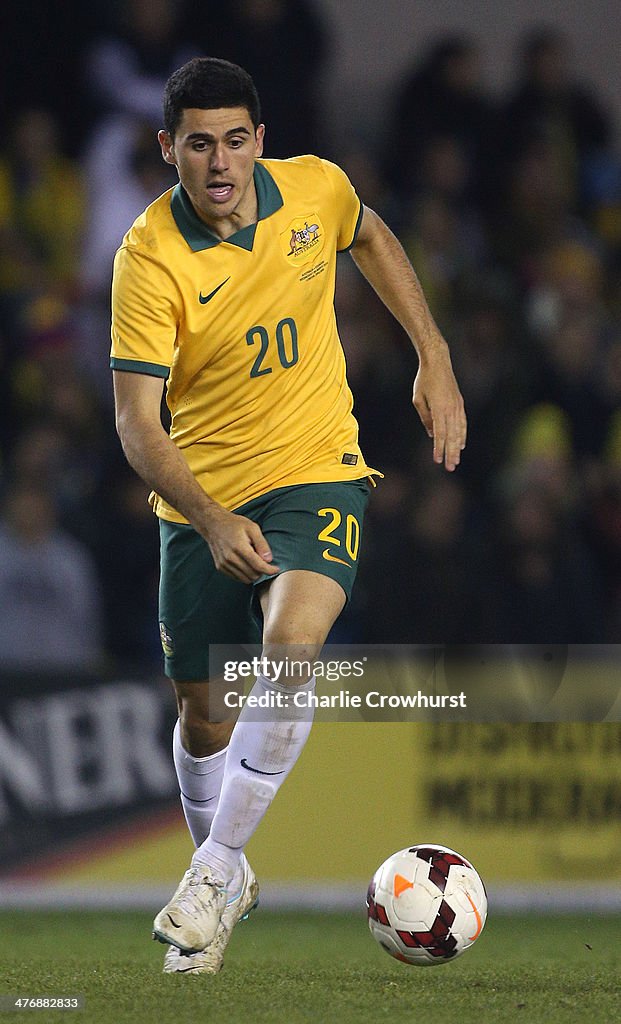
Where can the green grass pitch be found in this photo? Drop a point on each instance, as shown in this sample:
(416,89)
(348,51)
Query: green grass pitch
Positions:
(320,969)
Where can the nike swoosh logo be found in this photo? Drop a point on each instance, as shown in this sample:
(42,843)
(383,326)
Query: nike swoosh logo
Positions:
(332,558)
(477,916)
(173,923)
(245,764)
(206,298)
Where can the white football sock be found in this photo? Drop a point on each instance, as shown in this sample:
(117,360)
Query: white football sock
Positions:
(264,746)
(200,782)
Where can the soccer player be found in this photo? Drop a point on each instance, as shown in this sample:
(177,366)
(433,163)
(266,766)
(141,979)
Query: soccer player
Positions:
(224,288)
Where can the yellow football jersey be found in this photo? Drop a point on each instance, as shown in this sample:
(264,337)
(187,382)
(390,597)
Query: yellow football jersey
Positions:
(244,331)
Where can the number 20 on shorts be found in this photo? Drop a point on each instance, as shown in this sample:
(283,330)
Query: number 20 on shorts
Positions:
(329,533)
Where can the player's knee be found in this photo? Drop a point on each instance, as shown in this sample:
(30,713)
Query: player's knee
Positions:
(295,655)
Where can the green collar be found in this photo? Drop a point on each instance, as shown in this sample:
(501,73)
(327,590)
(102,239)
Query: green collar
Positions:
(197,234)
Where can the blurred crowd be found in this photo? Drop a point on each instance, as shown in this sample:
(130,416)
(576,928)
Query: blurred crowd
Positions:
(510,210)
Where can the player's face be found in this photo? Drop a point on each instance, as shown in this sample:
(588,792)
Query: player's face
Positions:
(214,152)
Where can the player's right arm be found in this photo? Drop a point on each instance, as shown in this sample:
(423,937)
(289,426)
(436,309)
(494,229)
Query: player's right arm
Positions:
(237,545)
(143,333)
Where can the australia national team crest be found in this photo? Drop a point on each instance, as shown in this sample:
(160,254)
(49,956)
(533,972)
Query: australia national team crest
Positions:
(303,240)
(167,640)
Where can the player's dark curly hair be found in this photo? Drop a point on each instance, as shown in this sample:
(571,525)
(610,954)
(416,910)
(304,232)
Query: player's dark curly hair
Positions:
(208,83)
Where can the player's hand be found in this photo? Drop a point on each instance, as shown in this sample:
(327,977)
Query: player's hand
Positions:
(437,400)
(238,547)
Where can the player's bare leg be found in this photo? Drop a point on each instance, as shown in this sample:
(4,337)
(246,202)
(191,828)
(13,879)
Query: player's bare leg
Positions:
(299,609)
(199,736)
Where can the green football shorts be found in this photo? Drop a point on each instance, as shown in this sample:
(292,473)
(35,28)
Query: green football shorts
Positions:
(307,526)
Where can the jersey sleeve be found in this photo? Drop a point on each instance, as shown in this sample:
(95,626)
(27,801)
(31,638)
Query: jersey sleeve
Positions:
(348,207)
(145,315)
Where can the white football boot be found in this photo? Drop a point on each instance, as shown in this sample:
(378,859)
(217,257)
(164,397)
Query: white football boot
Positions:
(210,960)
(190,920)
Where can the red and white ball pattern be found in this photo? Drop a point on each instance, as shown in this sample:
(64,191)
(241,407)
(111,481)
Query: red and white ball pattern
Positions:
(426,905)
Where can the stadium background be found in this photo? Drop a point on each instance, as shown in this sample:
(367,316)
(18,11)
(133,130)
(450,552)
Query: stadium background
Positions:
(507,196)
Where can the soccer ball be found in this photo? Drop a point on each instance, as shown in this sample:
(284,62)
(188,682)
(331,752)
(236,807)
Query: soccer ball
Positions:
(426,905)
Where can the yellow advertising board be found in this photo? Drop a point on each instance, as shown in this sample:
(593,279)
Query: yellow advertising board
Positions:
(526,802)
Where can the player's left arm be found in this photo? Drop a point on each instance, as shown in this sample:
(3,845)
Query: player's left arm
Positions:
(437,399)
